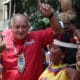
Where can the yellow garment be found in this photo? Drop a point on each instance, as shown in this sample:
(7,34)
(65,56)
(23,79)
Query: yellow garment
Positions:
(61,75)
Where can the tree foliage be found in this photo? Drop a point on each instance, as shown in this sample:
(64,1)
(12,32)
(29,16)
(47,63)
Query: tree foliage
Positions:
(37,21)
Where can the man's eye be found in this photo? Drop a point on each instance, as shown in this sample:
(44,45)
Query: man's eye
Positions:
(17,27)
(21,27)
(24,27)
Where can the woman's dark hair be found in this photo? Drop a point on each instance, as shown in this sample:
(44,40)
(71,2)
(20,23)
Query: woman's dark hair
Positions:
(70,55)
(76,7)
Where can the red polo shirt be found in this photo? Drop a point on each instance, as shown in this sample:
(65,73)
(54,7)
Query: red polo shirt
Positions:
(32,52)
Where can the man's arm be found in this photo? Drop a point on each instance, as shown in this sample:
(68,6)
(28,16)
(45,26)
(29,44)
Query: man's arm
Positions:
(47,11)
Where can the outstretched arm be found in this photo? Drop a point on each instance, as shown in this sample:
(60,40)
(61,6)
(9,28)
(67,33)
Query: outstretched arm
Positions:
(47,11)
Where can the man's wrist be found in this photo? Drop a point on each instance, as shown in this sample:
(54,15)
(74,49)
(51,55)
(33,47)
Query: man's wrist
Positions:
(52,14)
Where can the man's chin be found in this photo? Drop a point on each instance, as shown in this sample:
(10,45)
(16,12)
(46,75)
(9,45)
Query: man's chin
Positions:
(20,38)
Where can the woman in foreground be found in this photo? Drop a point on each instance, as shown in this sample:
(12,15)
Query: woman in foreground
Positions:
(59,69)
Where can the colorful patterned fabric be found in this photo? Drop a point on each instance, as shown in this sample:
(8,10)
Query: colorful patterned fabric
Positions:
(49,74)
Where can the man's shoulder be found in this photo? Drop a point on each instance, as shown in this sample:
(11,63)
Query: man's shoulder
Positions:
(6,32)
(41,31)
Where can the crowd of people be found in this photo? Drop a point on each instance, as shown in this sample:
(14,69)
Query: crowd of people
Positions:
(21,54)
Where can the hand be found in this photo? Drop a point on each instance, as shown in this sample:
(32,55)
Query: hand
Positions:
(68,27)
(2,44)
(77,34)
(45,9)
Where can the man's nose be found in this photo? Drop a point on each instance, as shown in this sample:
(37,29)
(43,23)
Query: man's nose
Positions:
(20,28)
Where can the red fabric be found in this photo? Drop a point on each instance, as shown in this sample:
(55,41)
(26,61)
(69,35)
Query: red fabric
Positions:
(72,40)
(34,43)
(59,36)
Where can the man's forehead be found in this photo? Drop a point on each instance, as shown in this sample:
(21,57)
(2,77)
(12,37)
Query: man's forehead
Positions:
(19,18)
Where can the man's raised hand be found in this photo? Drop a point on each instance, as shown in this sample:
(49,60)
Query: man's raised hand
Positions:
(45,9)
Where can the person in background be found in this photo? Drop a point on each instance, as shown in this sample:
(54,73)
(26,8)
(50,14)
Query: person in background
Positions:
(22,58)
(77,37)
(66,18)
(59,68)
